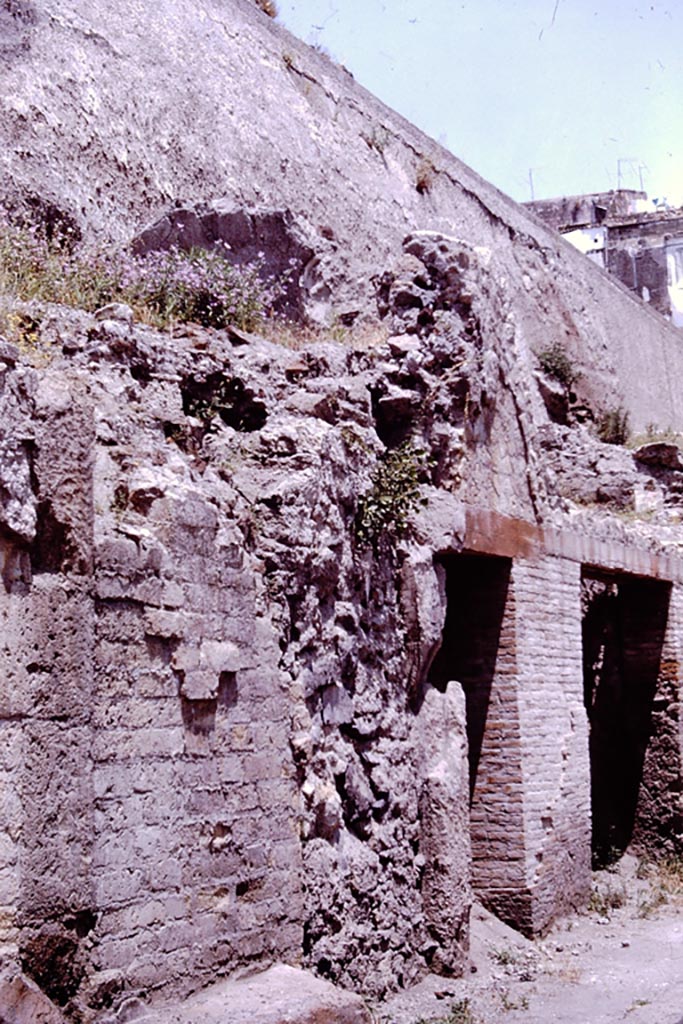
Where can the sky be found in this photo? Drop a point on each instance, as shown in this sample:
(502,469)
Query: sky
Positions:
(559,96)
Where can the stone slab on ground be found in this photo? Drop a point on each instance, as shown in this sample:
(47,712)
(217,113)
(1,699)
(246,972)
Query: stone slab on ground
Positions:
(280,995)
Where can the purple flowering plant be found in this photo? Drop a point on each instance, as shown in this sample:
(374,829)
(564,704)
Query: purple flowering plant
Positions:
(163,288)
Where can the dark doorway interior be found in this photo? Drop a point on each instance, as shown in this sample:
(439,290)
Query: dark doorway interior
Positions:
(477,594)
(624,623)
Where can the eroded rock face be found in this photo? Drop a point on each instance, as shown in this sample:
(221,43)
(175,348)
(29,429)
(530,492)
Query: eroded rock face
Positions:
(22,1002)
(246,114)
(17,18)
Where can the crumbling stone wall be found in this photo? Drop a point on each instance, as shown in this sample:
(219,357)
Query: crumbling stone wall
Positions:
(47,667)
(247,727)
(150,826)
(235,729)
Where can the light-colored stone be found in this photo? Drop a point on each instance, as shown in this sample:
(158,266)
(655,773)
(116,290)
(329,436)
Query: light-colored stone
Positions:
(22,1002)
(280,995)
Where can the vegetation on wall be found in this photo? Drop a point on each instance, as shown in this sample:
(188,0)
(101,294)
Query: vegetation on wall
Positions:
(268,7)
(384,512)
(162,287)
(424,175)
(555,362)
(613,426)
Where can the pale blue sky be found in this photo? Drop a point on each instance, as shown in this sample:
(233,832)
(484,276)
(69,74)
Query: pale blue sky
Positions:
(564,87)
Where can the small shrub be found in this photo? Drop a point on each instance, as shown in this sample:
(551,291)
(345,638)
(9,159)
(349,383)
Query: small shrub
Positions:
(602,901)
(200,286)
(648,905)
(424,176)
(460,1013)
(509,1004)
(653,433)
(506,957)
(612,426)
(24,330)
(666,883)
(384,512)
(556,363)
(268,7)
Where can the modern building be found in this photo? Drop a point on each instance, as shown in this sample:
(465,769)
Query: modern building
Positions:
(631,237)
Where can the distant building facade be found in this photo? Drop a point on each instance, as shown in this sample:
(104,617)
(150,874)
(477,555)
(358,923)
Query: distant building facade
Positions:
(621,231)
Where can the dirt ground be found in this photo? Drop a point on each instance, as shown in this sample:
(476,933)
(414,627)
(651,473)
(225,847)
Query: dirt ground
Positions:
(619,960)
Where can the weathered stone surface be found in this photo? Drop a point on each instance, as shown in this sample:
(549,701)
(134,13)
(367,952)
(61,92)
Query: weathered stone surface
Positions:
(280,995)
(233,632)
(659,453)
(444,822)
(554,395)
(237,709)
(17,500)
(134,158)
(22,1002)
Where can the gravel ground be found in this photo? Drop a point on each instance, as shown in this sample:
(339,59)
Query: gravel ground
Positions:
(620,960)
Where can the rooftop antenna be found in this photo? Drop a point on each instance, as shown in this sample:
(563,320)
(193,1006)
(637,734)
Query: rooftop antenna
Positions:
(531,184)
(641,168)
(623,160)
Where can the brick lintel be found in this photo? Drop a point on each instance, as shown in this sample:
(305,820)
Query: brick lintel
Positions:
(491,533)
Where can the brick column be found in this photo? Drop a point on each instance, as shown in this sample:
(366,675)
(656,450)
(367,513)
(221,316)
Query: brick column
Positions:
(530,813)
(554,734)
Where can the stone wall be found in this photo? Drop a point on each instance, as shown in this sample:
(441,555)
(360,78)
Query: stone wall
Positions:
(238,713)
(150,827)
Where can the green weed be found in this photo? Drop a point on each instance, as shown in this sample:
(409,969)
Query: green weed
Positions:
(384,512)
(459,1013)
(602,900)
(554,361)
(612,426)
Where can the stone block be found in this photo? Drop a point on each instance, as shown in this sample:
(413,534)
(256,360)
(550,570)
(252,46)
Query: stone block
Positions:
(22,1002)
(280,995)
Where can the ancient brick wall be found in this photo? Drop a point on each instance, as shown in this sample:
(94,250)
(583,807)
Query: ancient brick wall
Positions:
(513,639)
(196,861)
(149,827)
(47,672)
(553,727)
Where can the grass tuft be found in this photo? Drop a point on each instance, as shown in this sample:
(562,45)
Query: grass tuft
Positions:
(613,427)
